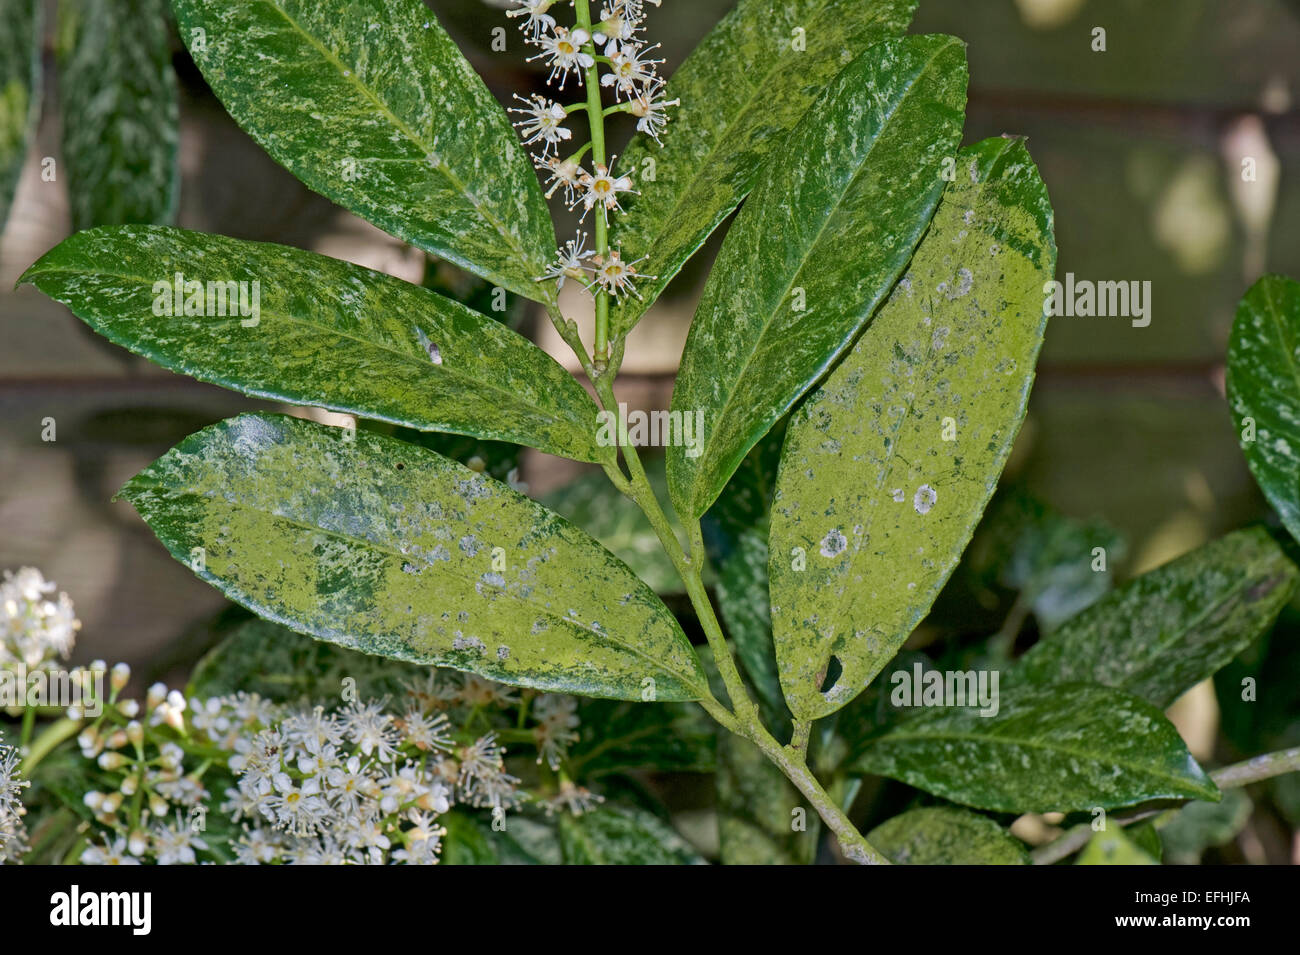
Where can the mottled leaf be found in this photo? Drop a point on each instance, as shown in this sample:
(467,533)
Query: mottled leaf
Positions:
(1112,846)
(324,333)
(387,548)
(756,806)
(1263,384)
(741,91)
(118,97)
(1068,747)
(941,835)
(619,836)
(371,104)
(1171,628)
(829,227)
(20,90)
(888,466)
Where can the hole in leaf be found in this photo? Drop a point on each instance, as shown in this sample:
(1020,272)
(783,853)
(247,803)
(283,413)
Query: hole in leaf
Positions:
(833,671)
(400,466)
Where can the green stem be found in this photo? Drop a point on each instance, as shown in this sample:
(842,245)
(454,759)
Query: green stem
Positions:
(744,719)
(596,117)
(45,743)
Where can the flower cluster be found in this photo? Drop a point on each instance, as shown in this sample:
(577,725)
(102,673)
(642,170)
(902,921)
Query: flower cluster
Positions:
(613,43)
(35,626)
(363,784)
(13,836)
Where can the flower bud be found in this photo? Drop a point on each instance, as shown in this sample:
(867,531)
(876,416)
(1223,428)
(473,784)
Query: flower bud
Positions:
(119,676)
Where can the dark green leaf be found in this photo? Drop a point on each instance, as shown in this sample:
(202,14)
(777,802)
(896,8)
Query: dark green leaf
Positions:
(324,332)
(756,810)
(20,90)
(617,836)
(117,93)
(735,533)
(371,104)
(741,91)
(621,737)
(941,835)
(1263,384)
(888,466)
(384,547)
(829,227)
(1173,627)
(1204,825)
(1069,747)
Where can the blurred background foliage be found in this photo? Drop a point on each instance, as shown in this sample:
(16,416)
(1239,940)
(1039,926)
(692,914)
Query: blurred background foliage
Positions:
(1128,444)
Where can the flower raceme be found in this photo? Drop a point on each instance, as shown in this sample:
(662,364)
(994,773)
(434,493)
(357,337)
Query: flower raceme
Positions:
(631,73)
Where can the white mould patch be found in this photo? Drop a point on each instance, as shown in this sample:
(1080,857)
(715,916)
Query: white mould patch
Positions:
(833,543)
(924,499)
(898,495)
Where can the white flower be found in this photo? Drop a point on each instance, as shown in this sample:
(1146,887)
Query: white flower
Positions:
(371,729)
(569,261)
(563,52)
(566,173)
(109,853)
(298,809)
(12,832)
(425,733)
(602,188)
(174,844)
(541,123)
(615,276)
(629,69)
(34,629)
(572,799)
(538,20)
(557,721)
(651,109)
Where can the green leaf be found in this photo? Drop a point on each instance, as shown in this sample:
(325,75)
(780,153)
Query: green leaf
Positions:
(1263,385)
(1113,847)
(755,809)
(327,333)
(618,836)
(1064,748)
(466,841)
(371,104)
(1199,826)
(941,835)
(20,90)
(829,227)
(621,737)
(119,100)
(735,533)
(604,512)
(1171,628)
(925,407)
(741,91)
(384,547)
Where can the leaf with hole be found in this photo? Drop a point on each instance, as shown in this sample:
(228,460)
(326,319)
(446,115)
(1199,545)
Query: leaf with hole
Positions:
(1063,748)
(1171,628)
(741,90)
(371,104)
(889,464)
(829,227)
(277,322)
(384,547)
